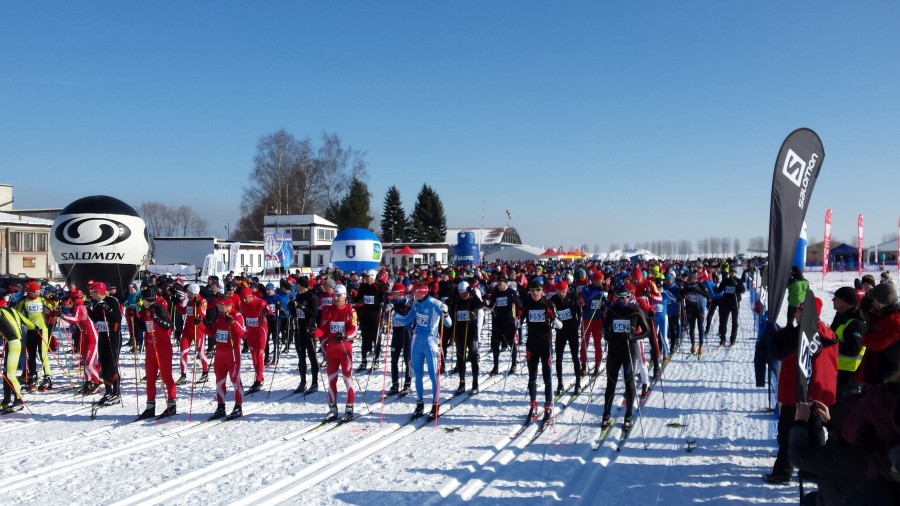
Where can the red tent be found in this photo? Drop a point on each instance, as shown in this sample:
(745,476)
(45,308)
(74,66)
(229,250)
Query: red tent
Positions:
(406,250)
(550,253)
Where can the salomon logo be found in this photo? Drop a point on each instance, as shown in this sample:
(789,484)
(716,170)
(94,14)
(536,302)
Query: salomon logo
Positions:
(92,232)
(794,167)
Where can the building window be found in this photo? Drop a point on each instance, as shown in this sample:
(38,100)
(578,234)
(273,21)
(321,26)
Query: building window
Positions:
(15,241)
(259,259)
(303,234)
(40,242)
(242,260)
(28,262)
(321,260)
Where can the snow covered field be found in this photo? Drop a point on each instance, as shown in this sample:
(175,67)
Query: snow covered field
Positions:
(277,453)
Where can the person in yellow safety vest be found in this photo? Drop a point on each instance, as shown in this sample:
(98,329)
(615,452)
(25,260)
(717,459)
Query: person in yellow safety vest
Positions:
(36,308)
(11,328)
(849,327)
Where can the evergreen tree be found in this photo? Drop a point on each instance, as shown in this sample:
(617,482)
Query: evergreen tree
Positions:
(428,219)
(353,209)
(393,218)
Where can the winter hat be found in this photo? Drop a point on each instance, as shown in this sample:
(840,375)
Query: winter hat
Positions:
(340,290)
(818,307)
(98,287)
(303,281)
(398,288)
(420,289)
(329,283)
(885,294)
(246,293)
(870,279)
(535,284)
(846,294)
(463,286)
(562,286)
(597,275)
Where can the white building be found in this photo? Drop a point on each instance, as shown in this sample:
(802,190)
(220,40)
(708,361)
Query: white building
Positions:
(311,236)
(24,241)
(248,256)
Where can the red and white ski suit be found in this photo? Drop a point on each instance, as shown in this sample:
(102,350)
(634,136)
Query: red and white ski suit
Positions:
(255,313)
(196,332)
(89,337)
(157,348)
(338,353)
(227,362)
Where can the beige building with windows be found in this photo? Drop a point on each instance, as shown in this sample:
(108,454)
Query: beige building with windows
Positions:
(24,241)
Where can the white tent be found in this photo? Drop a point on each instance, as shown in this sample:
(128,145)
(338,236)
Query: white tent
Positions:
(515,253)
(626,254)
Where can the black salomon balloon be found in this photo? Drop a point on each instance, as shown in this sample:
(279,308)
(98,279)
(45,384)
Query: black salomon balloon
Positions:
(99,238)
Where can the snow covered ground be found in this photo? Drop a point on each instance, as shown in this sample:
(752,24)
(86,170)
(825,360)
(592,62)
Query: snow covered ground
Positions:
(277,453)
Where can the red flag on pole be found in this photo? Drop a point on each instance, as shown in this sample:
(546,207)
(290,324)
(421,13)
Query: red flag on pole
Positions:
(859,243)
(826,247)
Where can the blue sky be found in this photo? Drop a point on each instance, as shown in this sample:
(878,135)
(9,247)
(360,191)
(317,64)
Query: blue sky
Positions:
(592,123)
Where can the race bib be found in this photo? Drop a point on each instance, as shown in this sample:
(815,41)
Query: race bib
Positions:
(694,297)
(729,289)
(368,299)
(421,319)
(253,322)
(189,311)
(325,301)
(537,315)
(221,336)
(621,326)
(658,308)
(34,307)
(102,327)
(596,304)
(271,307)
(336,327)
(151,327)
(462,316)
(301,313)
(564,314)
(501,302)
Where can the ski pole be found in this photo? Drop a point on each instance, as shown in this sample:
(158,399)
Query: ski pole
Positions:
(17,394)
(275,369)
(440,365)
(193,367)
(384,375)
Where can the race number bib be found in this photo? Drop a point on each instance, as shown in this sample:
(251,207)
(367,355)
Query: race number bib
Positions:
(368,299)
(102,327)
(462,316)
(502,302)
(336,327)
(421,319)
(189,311)
(596,304)
(729,289)
(221,336)
(325,301)
(694,297)
(300,313)
(621,326)
(253,322)
(537,315)
(151,327)
(564,314)
(659,308)
(36,307)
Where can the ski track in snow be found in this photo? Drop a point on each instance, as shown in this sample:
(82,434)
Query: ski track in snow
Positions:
(277,454)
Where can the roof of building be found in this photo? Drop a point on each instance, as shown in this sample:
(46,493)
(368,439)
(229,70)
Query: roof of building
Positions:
(296,220)
(15,219)
(498,235)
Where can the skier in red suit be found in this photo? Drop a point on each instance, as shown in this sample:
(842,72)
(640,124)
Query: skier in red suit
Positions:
(255,311)
(336,331)
(228,329)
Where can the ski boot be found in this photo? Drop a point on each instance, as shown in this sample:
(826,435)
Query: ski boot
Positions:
(460,389)
(645,391)
(513,368)
(627,424)
(393,390)
(348,413)
(301,388)
(237,412)
(474,387)
(313,387)
(548,412)
(46,384)
(30,386)
(92,388)
(110,400)
(406,387)
(149,411)
(332,413)
(362,366)
(533,411)
(560,390)
(203,378)
(170,409)
(494,371)
(420,409)
(218,413)
(604,424)
(255,387)
(693,349)
(577,385)
(17,405)
(700,350)
(434,411)
(181,379)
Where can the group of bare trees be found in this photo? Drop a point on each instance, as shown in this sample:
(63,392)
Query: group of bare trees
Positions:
(294,176)
(710,246)
(166,221)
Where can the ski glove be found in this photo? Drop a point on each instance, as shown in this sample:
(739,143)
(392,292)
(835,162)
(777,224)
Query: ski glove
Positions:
(556,324)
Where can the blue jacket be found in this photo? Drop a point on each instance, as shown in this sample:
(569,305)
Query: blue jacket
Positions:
(426,314)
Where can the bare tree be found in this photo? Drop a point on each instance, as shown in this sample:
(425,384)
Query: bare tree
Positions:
(164,221)
(737,246)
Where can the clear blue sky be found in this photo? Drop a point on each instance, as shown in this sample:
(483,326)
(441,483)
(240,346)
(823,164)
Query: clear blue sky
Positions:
(591,123)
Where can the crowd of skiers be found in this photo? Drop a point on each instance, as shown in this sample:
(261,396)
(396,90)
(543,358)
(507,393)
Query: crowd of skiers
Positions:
(418,313)
(853,395)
